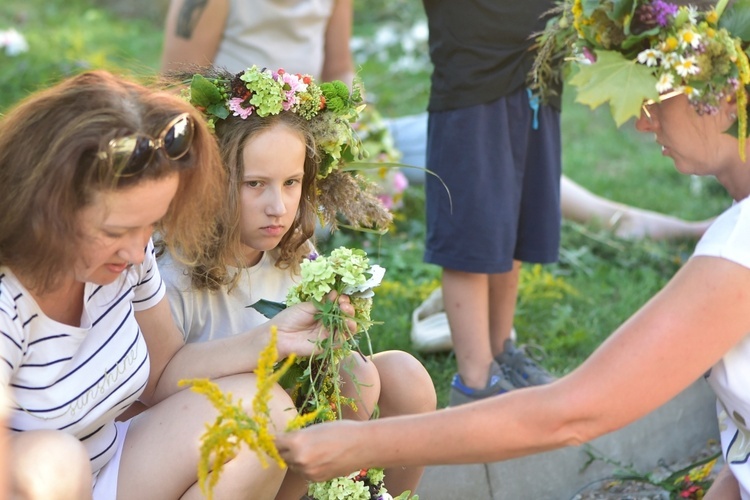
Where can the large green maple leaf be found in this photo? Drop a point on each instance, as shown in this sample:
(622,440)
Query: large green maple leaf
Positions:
(624,83)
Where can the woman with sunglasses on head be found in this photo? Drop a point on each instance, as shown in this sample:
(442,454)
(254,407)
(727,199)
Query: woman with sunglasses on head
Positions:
(691,69)
(88,170)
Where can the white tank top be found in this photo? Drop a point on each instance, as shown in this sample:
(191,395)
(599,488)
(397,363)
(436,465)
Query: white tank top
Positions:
(288,34)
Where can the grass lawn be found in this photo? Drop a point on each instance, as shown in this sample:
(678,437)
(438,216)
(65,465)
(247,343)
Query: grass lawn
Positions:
(567,308)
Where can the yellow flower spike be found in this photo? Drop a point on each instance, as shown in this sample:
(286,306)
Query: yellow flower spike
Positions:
(743,66)
(223,438)
(303,420)
(577,11)
(742,121)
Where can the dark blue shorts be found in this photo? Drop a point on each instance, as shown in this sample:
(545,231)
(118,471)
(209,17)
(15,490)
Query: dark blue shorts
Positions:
(504,182)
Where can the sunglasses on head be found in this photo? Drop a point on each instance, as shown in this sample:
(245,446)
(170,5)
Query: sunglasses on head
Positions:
(130,155)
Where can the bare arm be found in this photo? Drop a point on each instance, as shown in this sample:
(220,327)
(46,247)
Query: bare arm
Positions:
(171,360)
(338,63)
(662,349)
(193,32)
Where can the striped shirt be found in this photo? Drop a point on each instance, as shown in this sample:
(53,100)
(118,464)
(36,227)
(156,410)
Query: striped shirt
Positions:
(77,379)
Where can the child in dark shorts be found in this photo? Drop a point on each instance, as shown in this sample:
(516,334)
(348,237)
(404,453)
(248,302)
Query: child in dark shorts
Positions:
(498,152)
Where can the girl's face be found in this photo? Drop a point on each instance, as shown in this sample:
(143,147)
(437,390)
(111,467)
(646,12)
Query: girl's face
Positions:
(116,228)
(271,190)
(697,144)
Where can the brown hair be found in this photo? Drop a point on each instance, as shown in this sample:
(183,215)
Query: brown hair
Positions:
(49,171)
(233,133)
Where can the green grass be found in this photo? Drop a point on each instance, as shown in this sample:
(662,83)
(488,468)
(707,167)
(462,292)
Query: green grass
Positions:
(568,308)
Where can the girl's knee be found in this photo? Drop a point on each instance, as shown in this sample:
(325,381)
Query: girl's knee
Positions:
(361,383)
(50,465)
(406,385)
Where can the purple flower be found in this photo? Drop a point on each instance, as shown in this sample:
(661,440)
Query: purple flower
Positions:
(664,11)
(312,256)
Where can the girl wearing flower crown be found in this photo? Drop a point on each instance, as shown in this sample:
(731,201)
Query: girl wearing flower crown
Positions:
(272,152)
(689,69)
(85,327)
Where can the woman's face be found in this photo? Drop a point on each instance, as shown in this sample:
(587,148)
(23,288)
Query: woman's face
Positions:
(696,143)
(116,228)
(271,190)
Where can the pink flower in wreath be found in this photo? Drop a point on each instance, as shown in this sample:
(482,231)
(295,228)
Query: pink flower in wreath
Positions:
(235,105)
(291,84)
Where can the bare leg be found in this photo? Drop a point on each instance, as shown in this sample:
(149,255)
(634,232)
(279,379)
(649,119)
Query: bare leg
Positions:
(580,205)
(503,297)
(406,389)
(466,297)
(161,450)
(361,382)
(724,487)
(49,465)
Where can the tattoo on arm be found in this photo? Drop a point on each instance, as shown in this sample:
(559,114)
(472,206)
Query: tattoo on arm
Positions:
(188,17)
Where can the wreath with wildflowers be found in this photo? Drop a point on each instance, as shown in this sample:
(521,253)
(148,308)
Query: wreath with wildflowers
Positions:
(628,52)
(330,108)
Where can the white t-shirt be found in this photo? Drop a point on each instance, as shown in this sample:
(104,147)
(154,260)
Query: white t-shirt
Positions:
(205,315)
(729,238)
(288,34)
(77,379)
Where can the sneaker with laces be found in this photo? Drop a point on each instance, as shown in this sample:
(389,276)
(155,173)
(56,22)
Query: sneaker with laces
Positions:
(498,383)
(524,371)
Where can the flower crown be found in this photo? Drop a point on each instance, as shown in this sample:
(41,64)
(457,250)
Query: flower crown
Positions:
(631,51)
(331,110)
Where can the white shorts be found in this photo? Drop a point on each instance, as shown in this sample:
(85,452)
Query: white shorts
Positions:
(105,483)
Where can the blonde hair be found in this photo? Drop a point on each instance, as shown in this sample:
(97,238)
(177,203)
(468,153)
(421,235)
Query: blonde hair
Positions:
(50,170)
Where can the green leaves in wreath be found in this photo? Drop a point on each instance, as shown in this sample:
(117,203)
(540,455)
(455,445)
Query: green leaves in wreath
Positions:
(205,94)
(604,81)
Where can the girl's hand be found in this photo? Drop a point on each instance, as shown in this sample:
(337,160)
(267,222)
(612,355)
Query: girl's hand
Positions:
(299,330)
(322,451)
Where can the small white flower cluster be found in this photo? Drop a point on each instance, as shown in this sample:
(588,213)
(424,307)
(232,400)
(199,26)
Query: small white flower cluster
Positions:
(690,54)
(13,42)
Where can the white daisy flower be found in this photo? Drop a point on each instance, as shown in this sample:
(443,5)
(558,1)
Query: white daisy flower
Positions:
(670,60)
(692,12)
(690,92)
(689,38)
(687,66)
(649,57)
(665,83)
